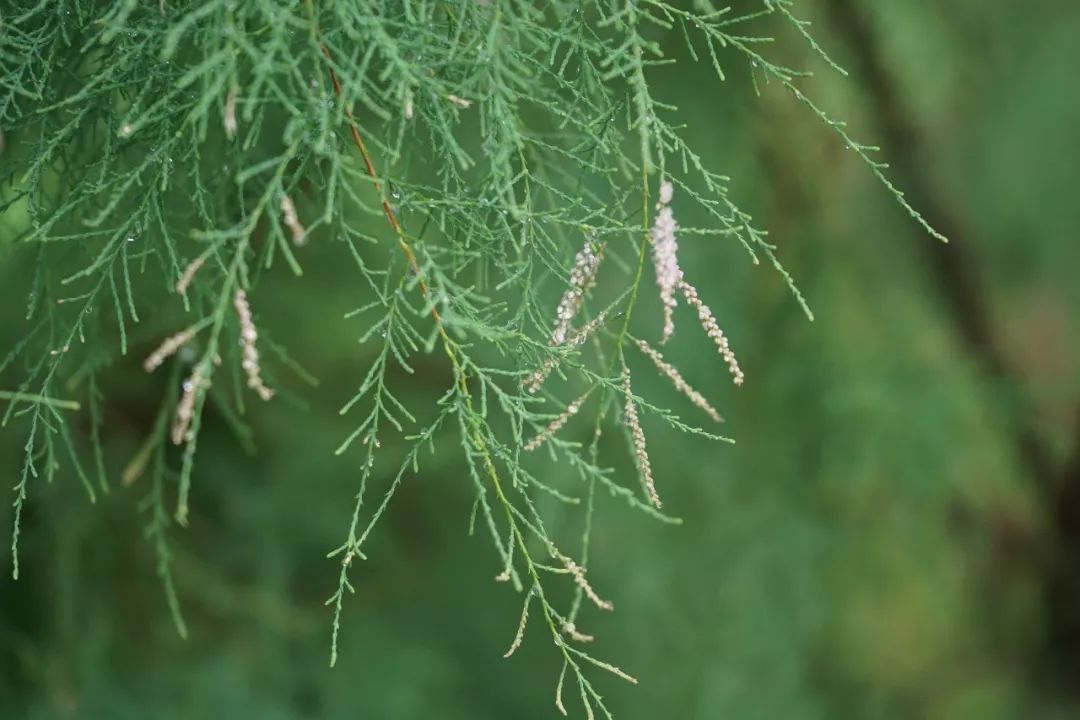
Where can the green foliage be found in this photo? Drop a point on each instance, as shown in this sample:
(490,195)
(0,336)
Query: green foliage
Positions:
(453,156)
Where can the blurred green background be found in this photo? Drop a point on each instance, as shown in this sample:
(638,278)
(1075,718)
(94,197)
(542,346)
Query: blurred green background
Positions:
(896,533)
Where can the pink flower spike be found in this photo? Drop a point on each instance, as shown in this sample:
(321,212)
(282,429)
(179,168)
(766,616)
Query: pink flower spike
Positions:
(665,256)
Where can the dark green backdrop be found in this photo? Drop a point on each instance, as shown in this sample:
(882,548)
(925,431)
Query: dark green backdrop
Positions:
(895,535)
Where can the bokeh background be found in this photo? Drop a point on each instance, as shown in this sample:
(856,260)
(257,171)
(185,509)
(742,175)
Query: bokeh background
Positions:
(896,533)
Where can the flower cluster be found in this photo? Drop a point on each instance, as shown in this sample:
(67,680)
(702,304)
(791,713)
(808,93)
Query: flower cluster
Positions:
(582,279)
(578,573)
(637,434)
(520,634)
(248,336)
(189,274)
(665,256)
(292,220)
(185,409)
(556,424)
(168,348)
(575,338)
(676,378)
(712,329)
(229,113)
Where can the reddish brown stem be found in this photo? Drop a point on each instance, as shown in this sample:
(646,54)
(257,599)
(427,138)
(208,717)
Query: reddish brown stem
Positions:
(388,210)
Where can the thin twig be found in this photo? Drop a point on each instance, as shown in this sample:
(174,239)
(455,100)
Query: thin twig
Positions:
(39,399)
